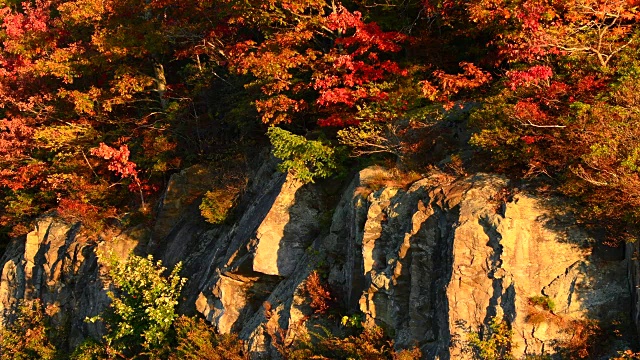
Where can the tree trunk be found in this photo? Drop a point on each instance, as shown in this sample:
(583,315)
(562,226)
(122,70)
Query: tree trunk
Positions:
(161,83)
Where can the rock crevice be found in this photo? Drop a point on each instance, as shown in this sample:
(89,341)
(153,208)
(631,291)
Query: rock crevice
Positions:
(430,263)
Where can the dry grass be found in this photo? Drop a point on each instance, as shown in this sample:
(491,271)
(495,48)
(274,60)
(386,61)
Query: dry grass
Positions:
(584,340)
(583,336)
(387,178)
(536,316)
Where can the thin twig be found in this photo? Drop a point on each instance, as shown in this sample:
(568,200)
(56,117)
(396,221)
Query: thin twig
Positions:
(529,123)
(91,167)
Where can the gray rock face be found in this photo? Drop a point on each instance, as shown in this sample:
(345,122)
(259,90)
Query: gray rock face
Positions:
(430,264)
(440,261)
(183,189)
(263,257)
(633,257)
(60,268)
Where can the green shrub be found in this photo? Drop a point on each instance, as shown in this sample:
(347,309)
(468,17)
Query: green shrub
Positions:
(496,344)
(537,357)
(370,343)
(543,301)
(90,350)
(142,304)
(197,340)
(225,185)
(216,205)
(627,354)
(353,321)
(371,138)
(305,159)
(142,322)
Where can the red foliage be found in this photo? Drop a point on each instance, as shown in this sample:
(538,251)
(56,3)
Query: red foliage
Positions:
(74,209)
(527,111)
(339,119)
(31,22)
(15,135)
(92,217)
(25,176)
(590,83)
(274,108)
(144,187)
(448,85)
(119,163)
(353,67)
(533,76)
(346,67)
(366,35)
(528,139)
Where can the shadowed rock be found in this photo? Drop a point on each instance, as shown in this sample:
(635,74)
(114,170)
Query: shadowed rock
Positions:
(430,262)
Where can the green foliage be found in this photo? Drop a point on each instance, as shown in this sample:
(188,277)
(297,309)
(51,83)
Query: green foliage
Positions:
(370,138)
(495,344)
(21,205)
(543,301)
(142,322)
(143,304)
(216,205)
(305,159)
(537,357)
(495,135)
(90,350)
(28,337)
(353,321)
(627,354)
(226,187)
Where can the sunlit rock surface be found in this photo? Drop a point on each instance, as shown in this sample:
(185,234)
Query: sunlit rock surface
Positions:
(432,262)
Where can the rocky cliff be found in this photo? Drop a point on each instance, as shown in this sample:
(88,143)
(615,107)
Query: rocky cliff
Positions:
(431,262)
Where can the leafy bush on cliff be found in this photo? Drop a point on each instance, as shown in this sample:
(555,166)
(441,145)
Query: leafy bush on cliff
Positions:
(305,159)
(29,336)
(495,344)
(142,307)
(371,344)
(216,205)
(142,321)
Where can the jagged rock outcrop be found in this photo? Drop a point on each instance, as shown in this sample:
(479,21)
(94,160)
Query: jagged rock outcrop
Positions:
(57,265)
(430,262)
(441,260)
(262,257)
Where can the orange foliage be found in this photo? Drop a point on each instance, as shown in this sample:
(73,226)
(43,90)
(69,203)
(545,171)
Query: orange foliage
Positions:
(320,296)
(449,85)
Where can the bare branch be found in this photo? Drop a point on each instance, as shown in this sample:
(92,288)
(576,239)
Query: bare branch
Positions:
(529,123)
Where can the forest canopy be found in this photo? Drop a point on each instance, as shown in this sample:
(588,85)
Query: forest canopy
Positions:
(100,99)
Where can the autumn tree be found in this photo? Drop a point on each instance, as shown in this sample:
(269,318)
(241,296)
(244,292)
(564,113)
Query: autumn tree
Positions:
(563,109)
(99,99)
(79,73)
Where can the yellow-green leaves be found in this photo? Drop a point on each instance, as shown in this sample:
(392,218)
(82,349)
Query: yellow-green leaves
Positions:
(306,159)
